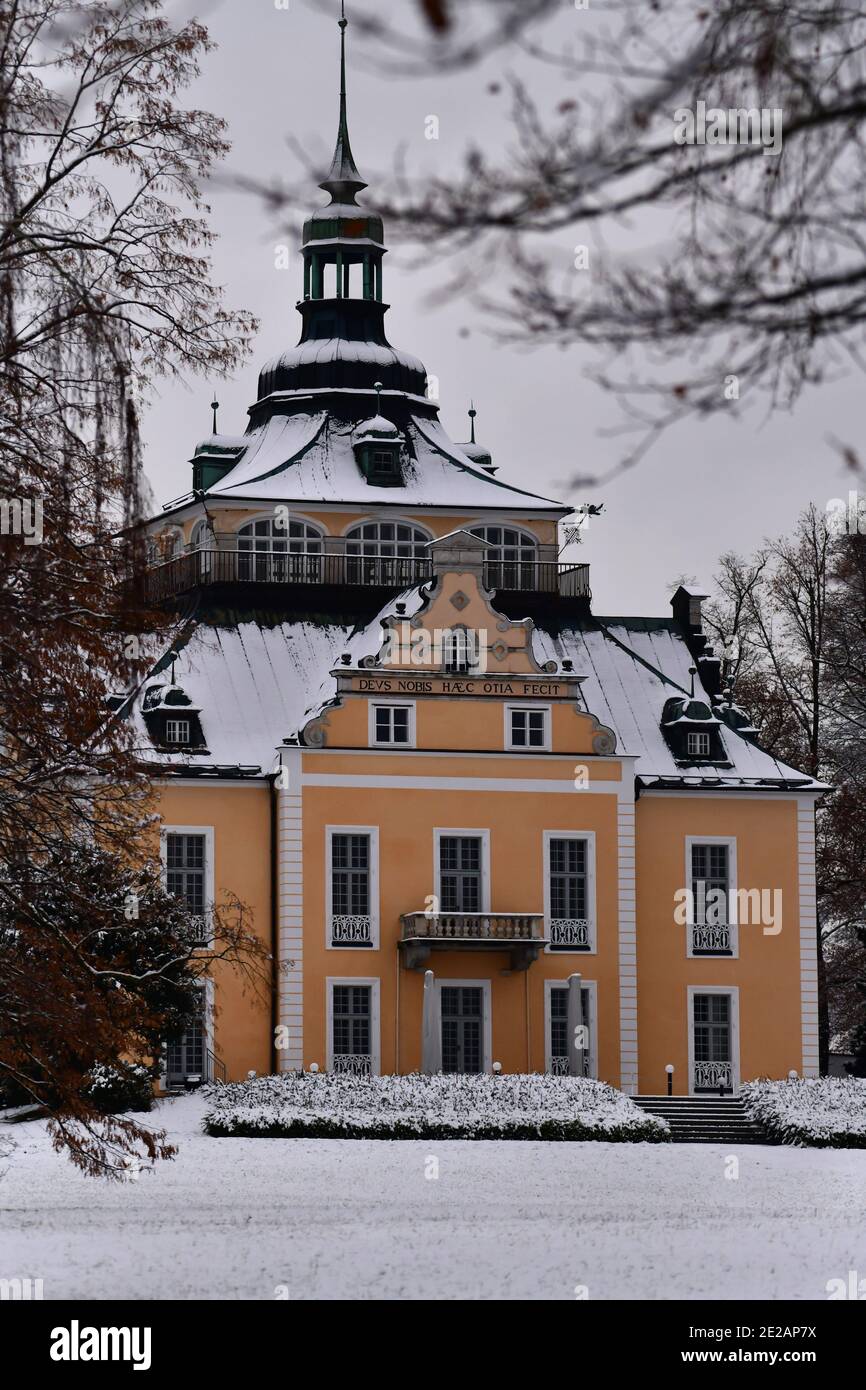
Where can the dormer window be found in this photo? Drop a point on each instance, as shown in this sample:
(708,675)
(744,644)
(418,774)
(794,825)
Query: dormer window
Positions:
(177,731)
(698,745)
(378,444)
(385,461)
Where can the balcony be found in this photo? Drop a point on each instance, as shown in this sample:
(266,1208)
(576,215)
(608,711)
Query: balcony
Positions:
(337,567)
(521,934)
(711,940)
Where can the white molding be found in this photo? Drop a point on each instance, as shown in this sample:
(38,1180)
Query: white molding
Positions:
(373,832)
(486,1013)
(589,836)
(486,752)
(754,793)
(734,992)
(384,703)
(257,783)
(810,1063)
(474,833)
(290,909)
(533,707)
(627,945)
(592,987)
(464,784)
(733,924)
(269,515)
(375,1017)
(209,857)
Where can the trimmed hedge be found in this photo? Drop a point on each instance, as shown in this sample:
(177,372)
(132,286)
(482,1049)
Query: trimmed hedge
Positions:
(828,1112)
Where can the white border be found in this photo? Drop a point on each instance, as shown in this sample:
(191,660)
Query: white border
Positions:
(532,707)
(734,992)
(373,832)
(589,836)
(806,884)
(209,868)
(290,908)
(478,834)
(380,703)
(733,925)
(592,986)
(375,1017)
(486,1023)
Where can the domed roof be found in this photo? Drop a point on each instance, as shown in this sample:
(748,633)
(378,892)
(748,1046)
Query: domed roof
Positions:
(687,711)
(339,363)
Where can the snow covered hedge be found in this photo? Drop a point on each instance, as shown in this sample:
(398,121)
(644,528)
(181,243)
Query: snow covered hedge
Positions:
(828,1113)
(335,1106)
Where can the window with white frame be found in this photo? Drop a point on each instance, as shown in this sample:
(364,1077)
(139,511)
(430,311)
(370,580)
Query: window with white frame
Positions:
(510,562)
(460,655)
(187,874)
(392,724)
(527,727)
(698,744)
(711,873)
(569,890)
(558,1029)
(352,1028)
(276,551)
(351,887)
(461,873)
(177,731)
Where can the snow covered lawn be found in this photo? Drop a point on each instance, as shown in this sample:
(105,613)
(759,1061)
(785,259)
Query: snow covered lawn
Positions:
(328,1105)
(829,1112)
(246,1218)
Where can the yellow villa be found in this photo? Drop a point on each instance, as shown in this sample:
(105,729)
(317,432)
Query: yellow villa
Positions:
(396,729)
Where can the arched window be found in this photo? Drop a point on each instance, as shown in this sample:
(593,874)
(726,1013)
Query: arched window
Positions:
(459,652)
(386,552)
(510,561)
(171,542)
(273,552)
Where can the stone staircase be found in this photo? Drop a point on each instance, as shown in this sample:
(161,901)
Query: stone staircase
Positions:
(704,1119)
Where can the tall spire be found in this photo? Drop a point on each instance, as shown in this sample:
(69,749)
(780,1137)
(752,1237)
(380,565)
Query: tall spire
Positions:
(343,181)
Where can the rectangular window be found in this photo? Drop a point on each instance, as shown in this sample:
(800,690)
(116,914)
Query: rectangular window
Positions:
(462,1012)
(460,873)
(712,1042)
(698,745)
(350,871)
(559,1029)
(569,890)
(185,870)
(352,1029)
(710,889)
(186,1053)
(527,728)
(177,731)
(393,725)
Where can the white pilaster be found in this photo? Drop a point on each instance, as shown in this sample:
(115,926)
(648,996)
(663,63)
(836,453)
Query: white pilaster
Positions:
(290,908)
(808,934)
(627,938)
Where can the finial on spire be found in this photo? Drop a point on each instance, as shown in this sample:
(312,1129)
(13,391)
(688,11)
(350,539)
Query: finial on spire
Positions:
(472,413)
(214,405)
(693,671)
(377,387)
(343,181)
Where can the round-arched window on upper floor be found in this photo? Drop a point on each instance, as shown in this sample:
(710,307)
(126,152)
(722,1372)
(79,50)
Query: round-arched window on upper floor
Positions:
(390,553)
(273,552)
(511,559)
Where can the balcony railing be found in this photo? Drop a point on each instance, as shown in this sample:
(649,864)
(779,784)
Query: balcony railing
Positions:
(474,926)
(711,940)
(519,933)
(352,1064)
(351,931)
(338,567)
(569,934)
(713,1076)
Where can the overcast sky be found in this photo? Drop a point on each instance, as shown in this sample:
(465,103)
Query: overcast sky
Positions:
(707,487)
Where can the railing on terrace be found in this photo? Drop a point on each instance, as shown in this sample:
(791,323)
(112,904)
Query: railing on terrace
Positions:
(496,927)
(340,567)
(713,1076)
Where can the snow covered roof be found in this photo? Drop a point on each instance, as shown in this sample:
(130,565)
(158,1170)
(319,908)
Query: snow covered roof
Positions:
(258,684)
(309,457)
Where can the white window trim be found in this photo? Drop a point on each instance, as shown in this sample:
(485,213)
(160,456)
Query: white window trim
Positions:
(702,734)
(592,987)
(734,992)
(486,1016)
(731,842)
(589,836)
(175,720)
(484,837)
(373,832)
(282,533)
(209,866)
(375,1016)
(536,708)
(390,704)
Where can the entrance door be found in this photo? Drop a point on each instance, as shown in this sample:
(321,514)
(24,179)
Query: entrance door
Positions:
(186,1053)
(462,1024)
(712,1023)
